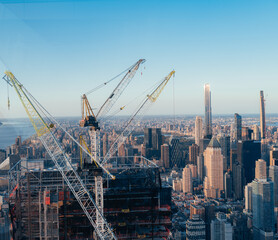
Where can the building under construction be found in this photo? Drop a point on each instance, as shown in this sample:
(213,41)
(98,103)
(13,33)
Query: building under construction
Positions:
(136,204)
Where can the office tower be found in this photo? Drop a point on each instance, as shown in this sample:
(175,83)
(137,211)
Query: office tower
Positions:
(256,133)
(165,155)
(193,169)
(148,137)
(195,228)
(263,209)
(187,180)
(152,142)
(248,152)
(105,146)
(238,181)
(200,168)
(213,164)
(198,130)
(193,153)
(248,197)
(240,228)
(156,138)
(224,142)
(228,185)
(260,171)
(273,175)
(208,121)
(176,154)
(220,228)
(273,156)
(238,127)
(246,133)
(262,115)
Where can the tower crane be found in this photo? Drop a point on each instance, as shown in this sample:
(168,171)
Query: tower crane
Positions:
(135,117)
(45,131)
(90,120)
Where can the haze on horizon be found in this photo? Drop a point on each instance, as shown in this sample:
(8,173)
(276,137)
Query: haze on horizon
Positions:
(61,49)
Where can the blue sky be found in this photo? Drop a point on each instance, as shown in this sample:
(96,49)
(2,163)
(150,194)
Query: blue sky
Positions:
(61,49)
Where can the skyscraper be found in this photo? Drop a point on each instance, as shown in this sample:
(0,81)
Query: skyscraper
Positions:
(262,115)
(198,130)
(263,209)
(213,162)
(165,158)
(256,133)
(187,180)
(260,171)
(208,122)
(238,127)
(273,175)
(220,228)
(193,153)
(248,152)
(224,142)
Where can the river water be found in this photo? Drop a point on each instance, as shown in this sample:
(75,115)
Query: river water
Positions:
(11,128)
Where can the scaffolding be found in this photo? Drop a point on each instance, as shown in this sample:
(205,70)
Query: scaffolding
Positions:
(135,204)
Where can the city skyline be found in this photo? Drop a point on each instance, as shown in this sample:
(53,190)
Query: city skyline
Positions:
(70,46)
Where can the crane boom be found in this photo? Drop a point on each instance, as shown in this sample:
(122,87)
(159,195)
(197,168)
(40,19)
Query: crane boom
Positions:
(61,160)
(129,127)
(110,101)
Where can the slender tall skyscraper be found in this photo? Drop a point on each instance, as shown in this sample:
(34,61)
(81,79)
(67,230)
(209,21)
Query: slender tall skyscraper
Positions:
(262,116)
(198,130)
(238,127)
(208,124)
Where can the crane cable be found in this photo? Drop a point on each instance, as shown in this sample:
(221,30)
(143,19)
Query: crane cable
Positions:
(150,89)
(105,83)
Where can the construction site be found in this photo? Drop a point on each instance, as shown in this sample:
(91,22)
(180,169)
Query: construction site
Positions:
(99,196)
(136,204)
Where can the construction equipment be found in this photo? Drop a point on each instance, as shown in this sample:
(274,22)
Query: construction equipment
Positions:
(129,126)
(45,127)
(92,121)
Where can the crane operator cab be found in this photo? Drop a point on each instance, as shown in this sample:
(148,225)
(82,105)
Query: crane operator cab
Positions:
(89,121)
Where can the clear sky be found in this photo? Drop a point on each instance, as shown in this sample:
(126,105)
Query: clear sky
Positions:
(61,49)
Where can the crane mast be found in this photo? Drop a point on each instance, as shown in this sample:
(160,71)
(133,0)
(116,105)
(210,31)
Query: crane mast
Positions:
(61,160)
(92,121)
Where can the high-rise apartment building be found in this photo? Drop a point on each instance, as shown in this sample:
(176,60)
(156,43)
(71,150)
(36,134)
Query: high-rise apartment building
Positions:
(208,120)
(262,115)
(238,127)
(198,130)
(187,183)
(193,169)
(193,153)
(256,133)
(213,164)
(195,228)
(220,228)
(165,155)
(260,171)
